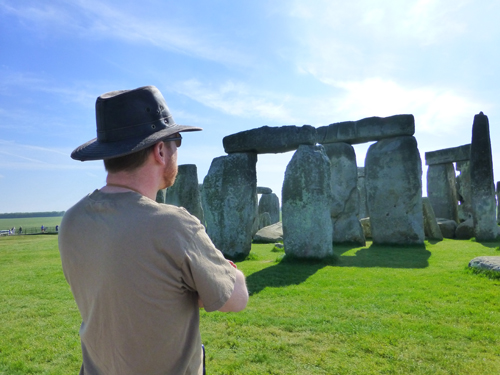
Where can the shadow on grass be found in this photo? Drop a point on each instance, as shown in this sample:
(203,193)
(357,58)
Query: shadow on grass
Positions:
(292,271)
(386,256)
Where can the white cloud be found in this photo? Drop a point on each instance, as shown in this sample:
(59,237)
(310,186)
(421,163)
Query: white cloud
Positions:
(237,99)
(91,19)
(436,110)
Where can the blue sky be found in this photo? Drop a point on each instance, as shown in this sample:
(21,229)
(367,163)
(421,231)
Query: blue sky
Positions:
(229,66)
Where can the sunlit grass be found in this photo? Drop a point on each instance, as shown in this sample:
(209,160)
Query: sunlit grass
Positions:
(371,310)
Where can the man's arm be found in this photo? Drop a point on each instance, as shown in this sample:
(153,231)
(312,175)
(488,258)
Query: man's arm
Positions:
(239,297)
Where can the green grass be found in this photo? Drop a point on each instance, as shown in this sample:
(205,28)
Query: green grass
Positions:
(374,310)
(29,222)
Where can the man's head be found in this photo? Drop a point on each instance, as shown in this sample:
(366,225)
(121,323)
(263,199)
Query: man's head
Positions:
(131,162)
(128,122)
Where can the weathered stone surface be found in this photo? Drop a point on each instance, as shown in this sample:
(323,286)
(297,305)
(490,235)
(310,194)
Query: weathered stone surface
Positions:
(367,229)
(488,263)
(482,182)
(345,195)
(367,130)
(270,140)
(270,203)
(160,196)
(498,202)
(229,200)
(465,230)
(393,172)
(306,195)
(464,190)
(269,234)
(448,155)
(363,208)
(448,227)
(264,220)
(264,190)
(185,191)
(442,191)
(431,227)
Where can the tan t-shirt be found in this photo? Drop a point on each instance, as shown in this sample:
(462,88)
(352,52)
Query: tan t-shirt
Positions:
(136,269)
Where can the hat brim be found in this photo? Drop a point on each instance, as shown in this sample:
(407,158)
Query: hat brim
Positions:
(95,150)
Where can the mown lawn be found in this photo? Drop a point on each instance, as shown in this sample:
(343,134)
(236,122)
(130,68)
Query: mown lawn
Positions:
(375,310)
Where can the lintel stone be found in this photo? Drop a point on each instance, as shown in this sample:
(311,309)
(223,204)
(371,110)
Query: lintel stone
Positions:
(270,140)
(367,129)
(448,155)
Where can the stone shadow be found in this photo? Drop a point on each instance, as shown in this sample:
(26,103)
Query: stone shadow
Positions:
(386,256)
(292,271)
(287,272)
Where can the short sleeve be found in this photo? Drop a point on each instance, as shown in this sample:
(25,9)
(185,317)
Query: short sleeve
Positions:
(207,272)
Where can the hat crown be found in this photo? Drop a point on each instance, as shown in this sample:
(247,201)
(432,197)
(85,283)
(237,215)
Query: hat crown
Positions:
(127,114)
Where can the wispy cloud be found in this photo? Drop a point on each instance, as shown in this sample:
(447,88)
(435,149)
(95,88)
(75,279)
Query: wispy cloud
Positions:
(14,155)
(436,110)
(357,40)
(91,19)
(238,99)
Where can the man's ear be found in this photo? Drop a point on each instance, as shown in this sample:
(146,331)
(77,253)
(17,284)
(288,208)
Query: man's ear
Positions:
(160,152)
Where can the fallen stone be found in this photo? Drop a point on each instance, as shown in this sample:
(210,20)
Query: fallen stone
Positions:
(448,227)
(269,234)
(270,140)
(488,263)
(465,230)
(367,130)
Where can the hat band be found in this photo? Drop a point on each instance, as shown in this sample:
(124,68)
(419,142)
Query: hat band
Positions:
(134,131)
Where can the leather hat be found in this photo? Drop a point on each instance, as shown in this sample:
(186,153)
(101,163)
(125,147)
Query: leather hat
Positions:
(129,121)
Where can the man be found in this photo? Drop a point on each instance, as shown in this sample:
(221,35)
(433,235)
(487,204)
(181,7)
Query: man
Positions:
(140,270)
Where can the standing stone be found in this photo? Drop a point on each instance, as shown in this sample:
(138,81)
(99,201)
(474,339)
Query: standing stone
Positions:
(442,191)
(345,195)
(306,195)
(229,200)
(498,202)
(394,191)
(431,227)
(264,220)
(363,208)
(160,196)
(270,203)
(482,183)
(464,191)
(185,191)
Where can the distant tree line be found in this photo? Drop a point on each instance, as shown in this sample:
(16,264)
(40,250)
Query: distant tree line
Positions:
(21,215)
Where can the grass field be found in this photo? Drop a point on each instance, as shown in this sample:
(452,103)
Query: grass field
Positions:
(35,222)
(376,310)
